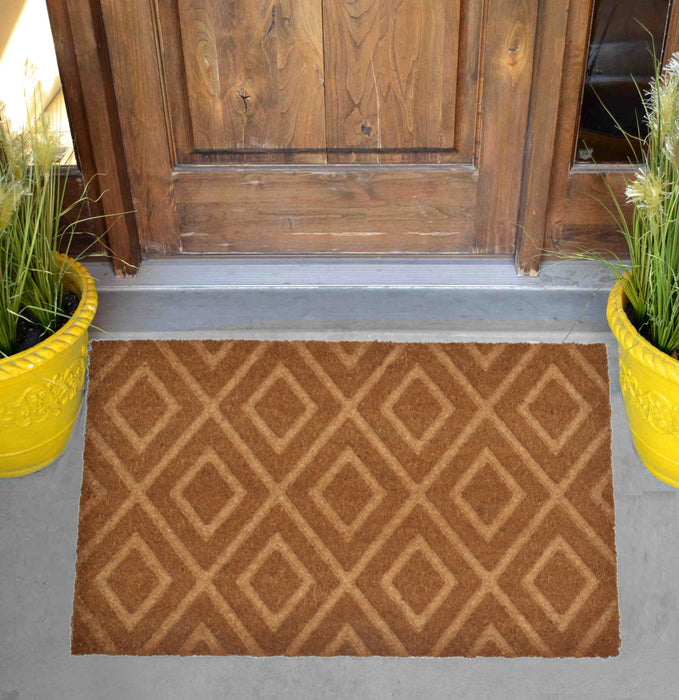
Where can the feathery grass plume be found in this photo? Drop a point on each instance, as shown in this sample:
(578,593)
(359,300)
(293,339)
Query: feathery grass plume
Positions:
(671,146)
(10,194)
(14,149)
(44,143)
(647,192)
(672,67)
(651,279)
(652,282)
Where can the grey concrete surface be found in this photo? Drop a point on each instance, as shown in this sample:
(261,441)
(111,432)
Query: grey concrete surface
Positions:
(38,524)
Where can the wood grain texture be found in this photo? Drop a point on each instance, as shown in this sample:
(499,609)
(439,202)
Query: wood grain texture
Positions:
(173,66)
(131,37)
(510,27)
(586,225)
(467,101)
(576,219)
(327,210)
(672,33)
(206,88)
(83,242)
(573,75)
(391,73)
(90,102)
(86,239)
(543,116)
(254,73)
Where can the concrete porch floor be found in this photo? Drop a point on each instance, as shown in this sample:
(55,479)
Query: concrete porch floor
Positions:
(39,513)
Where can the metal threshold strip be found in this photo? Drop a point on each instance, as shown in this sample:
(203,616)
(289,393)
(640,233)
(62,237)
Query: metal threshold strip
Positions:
(210,273)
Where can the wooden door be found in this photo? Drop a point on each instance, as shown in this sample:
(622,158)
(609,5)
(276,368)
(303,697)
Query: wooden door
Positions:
(563,197)
(323,126)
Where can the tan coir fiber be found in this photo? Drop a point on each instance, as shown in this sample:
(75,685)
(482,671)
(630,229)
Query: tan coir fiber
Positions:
(309,498)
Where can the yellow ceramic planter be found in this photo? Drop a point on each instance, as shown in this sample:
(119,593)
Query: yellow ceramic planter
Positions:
(649,380)
(41,389)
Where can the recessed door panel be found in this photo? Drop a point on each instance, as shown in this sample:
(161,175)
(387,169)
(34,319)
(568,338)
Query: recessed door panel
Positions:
(391,79)
(254,74)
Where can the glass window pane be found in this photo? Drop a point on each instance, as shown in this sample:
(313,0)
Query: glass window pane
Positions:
(28,63)
(620,53)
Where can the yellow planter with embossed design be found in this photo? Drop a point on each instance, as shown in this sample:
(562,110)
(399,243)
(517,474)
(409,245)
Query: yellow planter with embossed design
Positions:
(41,389)
(649,380)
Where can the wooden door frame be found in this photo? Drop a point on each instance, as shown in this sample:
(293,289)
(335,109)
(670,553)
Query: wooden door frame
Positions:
(85,75)
(559,60)
(555,191)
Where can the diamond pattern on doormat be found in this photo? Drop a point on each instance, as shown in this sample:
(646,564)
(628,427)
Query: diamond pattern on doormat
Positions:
(308,498)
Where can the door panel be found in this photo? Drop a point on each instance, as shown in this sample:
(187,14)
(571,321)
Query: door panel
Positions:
(323,126)
(585,224)
(254,74)
(391,78)
(331,211)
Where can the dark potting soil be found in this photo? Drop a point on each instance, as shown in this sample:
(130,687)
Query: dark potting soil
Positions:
(30,333)
(643,330)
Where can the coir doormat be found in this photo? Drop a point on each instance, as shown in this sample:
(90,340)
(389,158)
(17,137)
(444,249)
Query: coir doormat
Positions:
(310,498)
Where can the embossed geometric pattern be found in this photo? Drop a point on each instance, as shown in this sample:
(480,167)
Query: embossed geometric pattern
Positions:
(418,408)
(418,581)
(133,580)
(560,582)
(488,494)
(280,408)
(142,407)
(348,493)
(307,498)
(554,408)
(208,493)
(275,581)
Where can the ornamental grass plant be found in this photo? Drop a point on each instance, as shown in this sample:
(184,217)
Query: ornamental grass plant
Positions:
(35,222)
(651,279)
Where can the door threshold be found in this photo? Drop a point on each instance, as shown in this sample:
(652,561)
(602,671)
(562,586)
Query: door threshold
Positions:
(209,273)
(232,296)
